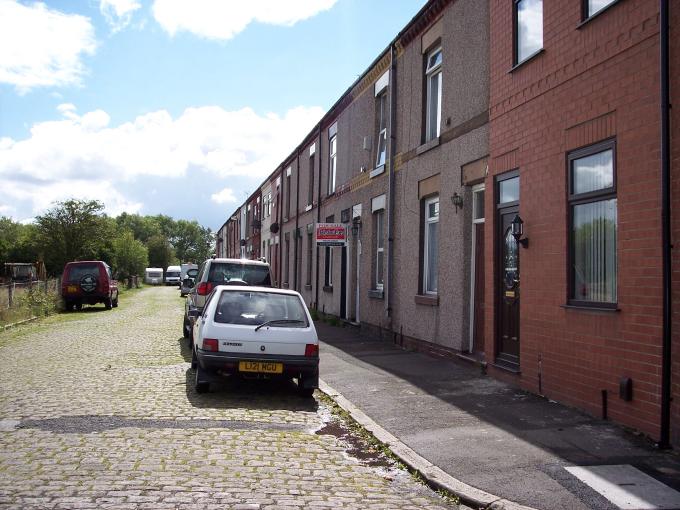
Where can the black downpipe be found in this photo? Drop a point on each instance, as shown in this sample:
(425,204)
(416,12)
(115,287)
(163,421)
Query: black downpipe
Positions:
(318,218)
(391,182)
(664,441)
(297,209)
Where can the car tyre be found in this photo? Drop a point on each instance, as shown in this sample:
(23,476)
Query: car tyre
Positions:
(79,306)
(302,391)
(115,302)
(108,304)
(186,329)
(194,360)
(200,384)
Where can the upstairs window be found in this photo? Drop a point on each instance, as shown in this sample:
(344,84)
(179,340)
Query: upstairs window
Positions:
(592,7)
(332,163)
(593,215)
(528,21)
(310,191)
(381,118)
(433,78)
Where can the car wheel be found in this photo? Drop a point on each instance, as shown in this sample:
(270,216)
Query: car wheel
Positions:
(302,391)
(108,304)
(115,302)
(200,384)
(79,306)
(194,360)
(186,329)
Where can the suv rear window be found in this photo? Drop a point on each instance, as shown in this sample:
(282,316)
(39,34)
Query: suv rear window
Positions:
(252,274)
(76,272)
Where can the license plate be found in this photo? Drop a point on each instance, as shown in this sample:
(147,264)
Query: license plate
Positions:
(262,367)
(72,288)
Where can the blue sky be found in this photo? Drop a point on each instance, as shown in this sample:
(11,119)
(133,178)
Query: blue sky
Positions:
(170,106)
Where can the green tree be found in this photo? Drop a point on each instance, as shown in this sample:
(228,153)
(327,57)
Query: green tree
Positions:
(74,230)
(131,256)
(192,242)
(142,227)
(161,253)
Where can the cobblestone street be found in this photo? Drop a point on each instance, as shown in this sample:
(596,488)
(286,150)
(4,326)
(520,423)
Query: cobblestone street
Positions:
(97,410)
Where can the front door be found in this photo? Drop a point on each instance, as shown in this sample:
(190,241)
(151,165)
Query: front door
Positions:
(509,292)
(478,304)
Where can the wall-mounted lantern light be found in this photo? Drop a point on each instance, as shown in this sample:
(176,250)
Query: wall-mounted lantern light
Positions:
(457,201)
(356,225)
(517,227)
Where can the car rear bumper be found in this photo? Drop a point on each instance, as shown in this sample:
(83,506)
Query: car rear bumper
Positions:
(228,363)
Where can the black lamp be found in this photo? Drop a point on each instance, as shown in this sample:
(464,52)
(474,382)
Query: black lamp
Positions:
(356,225)
(517,229)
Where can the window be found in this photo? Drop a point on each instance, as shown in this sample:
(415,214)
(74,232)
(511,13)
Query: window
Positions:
(310,191)
(430,244)
(593,215)
(528,21)
(286,266)
(332,164)
(433,77)
(381,117)
(379,229)
(288,193)
(592,7)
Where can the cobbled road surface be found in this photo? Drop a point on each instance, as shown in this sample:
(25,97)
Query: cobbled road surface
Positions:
(97,410)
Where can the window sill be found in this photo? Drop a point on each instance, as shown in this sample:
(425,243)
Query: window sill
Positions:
(589,19)
(376,294)
(528,59)
(589,308)
(328,288)
(308,286)
(427,146)
(284,285)
(308,208)
(377,171)
(427,300)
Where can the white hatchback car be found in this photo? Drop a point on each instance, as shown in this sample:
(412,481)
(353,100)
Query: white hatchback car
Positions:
(255,332)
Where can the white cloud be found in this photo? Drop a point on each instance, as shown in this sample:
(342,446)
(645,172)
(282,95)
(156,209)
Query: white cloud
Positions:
(84,156)
(226,196)
(118,13)
(41,47)
(219,19)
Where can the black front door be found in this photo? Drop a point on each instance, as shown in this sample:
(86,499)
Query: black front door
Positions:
(509,291)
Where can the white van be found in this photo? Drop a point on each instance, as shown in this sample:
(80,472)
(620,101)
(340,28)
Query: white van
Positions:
(172,274)
(153,275)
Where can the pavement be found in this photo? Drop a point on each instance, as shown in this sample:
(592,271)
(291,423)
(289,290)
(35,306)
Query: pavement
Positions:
(491,444)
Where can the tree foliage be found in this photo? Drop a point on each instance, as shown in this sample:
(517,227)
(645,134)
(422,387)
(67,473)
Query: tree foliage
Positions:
(79,230)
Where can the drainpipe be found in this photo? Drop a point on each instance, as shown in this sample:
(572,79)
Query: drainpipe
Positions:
(664,441)
(318,218)
(297,209)
(390,189)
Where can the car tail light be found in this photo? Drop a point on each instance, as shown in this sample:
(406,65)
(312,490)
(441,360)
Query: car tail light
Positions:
(210,344)
(204,288)
(311,350)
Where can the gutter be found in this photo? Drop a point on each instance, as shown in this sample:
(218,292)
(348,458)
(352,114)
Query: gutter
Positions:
(391,183)
(664,441)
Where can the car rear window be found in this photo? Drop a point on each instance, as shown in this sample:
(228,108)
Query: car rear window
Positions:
(155,274)
(171,273)
(77,272)
(254,308)
(252,274)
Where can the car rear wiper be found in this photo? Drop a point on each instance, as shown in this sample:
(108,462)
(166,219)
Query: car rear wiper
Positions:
(280,321)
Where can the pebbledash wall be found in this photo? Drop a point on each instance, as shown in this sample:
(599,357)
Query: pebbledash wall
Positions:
(590,89)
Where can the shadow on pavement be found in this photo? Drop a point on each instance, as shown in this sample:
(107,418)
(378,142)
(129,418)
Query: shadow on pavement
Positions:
(184,349)
(255,394)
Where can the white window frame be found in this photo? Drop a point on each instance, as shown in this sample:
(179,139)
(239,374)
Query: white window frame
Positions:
(379,245)
(333,163)
(381,155)
(433,72)
(428,220)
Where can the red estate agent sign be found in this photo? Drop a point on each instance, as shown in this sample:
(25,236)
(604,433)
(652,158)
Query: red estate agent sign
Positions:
(331,234)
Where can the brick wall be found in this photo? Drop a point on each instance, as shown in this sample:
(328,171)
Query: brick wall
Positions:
(591,83)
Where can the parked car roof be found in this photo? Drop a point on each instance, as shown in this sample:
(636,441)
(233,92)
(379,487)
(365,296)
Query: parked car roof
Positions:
(242,261)
(248,288)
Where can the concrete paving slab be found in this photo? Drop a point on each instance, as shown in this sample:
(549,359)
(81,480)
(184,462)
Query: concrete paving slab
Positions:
(627,487)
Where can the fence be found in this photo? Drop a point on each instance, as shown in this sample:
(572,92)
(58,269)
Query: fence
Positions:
(14,305)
